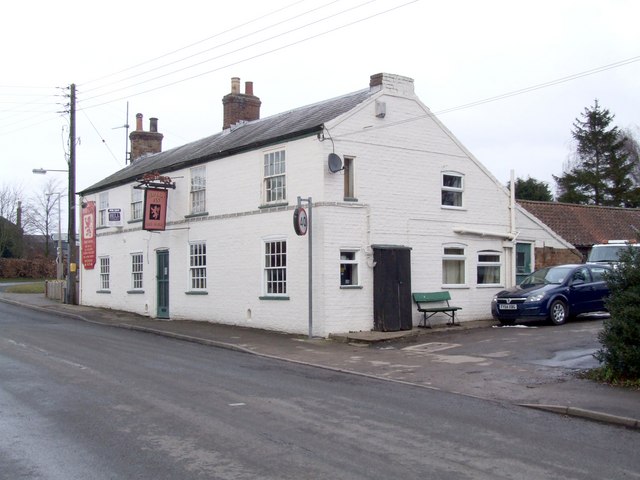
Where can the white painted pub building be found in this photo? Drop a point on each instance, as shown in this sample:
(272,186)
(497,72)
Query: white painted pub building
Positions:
(398,205)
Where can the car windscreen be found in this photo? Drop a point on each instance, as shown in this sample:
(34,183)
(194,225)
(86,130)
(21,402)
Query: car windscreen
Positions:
(606,253)
(547,275)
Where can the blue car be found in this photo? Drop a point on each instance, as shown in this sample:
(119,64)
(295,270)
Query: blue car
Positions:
(553,293)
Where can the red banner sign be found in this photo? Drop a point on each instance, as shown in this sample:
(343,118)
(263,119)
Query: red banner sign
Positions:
(89,235)
(155,209)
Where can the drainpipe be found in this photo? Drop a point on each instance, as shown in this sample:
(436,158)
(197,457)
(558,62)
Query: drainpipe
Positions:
(512,263)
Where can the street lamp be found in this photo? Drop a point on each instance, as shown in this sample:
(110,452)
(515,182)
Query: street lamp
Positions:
(59,255)
(43,171)
(71,272)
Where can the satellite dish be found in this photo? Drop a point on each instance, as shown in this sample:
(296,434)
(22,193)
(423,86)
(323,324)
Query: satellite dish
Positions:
(335,163)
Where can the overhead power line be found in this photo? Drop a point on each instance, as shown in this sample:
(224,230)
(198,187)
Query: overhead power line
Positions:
(541,85)
(215,47)
(195,43)
(502,96)
(237,50)
(282,47)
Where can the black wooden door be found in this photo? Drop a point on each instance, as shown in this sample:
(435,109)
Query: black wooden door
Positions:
(392,289)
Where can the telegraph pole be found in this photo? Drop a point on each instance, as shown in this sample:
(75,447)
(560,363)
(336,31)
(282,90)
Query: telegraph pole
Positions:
(73,260)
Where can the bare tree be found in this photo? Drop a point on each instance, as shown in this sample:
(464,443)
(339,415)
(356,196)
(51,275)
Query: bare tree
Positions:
(43,216)
(10,196)
(631,147)
(11,239)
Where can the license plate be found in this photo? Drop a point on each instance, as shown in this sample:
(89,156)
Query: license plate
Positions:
(508,306)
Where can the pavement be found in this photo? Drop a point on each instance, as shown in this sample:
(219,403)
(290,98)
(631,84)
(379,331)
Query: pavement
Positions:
(426,358)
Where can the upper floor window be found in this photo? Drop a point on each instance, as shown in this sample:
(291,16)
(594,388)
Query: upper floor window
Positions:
(349,184)
(198,266)
(103,207)
(489,266)
(452,189)
(137,195)
(275,181)
(198,189)
(453,265)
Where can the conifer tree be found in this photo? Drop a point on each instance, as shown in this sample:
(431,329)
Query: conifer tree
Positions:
(601,173)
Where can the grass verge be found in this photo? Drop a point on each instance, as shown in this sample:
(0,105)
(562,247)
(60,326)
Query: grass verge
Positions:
(32,287)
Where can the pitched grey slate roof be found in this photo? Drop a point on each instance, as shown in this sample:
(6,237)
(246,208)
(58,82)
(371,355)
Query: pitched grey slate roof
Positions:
(300,122)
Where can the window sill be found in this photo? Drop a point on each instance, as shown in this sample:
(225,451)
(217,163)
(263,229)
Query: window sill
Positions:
(196,215)
(490,285)
(137,220)
(273,297)
(351,287)
(196,292)
(103,291)
(135,292)
(452,207)
(273,205)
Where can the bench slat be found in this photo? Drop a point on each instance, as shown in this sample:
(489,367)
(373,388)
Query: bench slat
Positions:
(431,297)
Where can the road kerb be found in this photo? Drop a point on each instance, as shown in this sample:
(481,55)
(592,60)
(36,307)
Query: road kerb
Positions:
(587,414)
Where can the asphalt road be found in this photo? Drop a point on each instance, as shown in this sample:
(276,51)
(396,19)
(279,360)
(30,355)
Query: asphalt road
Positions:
(83,401)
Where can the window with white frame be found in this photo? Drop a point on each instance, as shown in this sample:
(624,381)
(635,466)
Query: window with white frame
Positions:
(349,184)
(275,182)
(137,267)
(198,266)
(452,189)
(103,207)
(198,191)
(489,266)
(453,265)
(348,267)
(275,267)
(137,195)
(105,272)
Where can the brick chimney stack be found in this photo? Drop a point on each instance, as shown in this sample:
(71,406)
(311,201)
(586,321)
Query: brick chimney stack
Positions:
(143,143)
(240,106)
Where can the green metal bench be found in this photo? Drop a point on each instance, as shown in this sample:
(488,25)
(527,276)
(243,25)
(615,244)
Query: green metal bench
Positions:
(431,303)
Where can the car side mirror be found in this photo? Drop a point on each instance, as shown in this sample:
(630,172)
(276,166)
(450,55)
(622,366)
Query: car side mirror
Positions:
(577,281)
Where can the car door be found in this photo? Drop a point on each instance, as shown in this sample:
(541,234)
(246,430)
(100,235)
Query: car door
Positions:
(600,288)
(582,297)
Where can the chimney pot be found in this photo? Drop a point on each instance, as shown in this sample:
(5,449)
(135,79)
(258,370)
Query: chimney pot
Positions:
(248,88)
(235,85)
(153,124)
(139,122)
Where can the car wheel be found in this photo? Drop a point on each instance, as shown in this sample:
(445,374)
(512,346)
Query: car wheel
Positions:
(507,321)
(558,312)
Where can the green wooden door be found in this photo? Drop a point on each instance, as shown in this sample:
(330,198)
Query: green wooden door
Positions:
(523,261)
(162,278)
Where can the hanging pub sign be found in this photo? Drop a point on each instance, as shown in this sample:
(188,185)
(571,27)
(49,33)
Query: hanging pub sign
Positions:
(155,209)
(88,240)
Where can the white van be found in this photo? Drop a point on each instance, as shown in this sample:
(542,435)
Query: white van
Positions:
(609,252)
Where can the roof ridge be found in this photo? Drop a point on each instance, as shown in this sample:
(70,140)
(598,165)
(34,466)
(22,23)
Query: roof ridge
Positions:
(567,204)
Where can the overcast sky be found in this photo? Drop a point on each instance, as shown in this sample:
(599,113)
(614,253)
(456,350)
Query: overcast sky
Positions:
(174,61)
